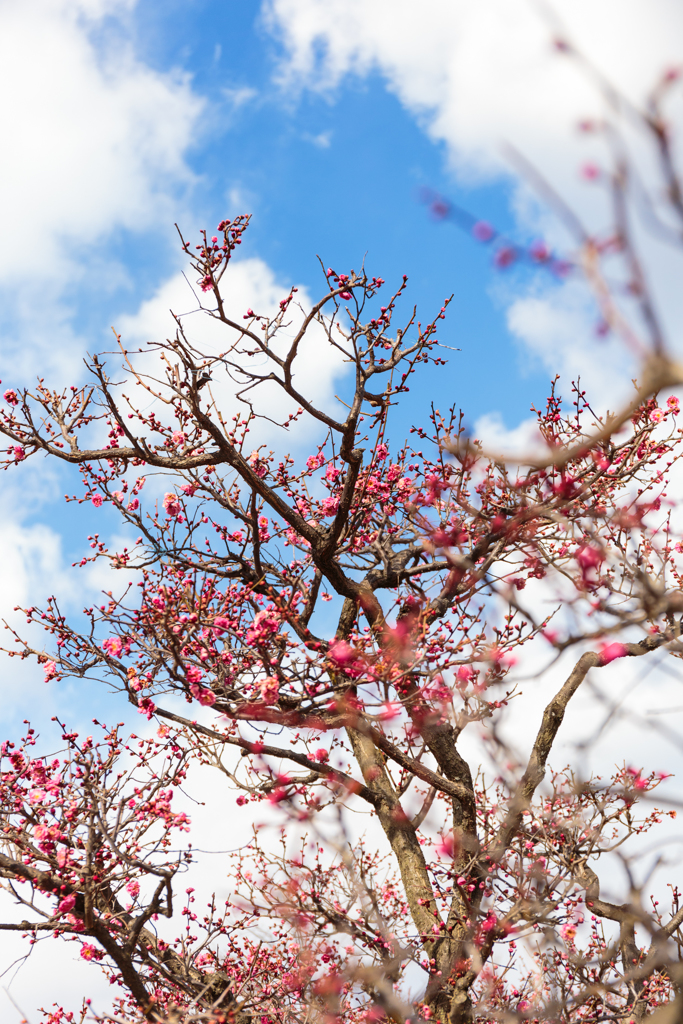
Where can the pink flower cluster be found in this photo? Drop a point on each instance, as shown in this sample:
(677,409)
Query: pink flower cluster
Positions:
(265,624)
(172,505)
(113,646)
(269,690)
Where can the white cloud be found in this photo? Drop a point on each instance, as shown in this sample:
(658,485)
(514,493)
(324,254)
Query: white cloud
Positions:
(32,554)
(93,139)
(238,199)
(323,140)
(94,142)
(491,430)
(557,328)
(238,96)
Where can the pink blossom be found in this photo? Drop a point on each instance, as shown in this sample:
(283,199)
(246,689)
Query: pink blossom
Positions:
(342,653)
(113,646)
(674,405)
(257,464)
(405,488)
(11,397)
(220,624)
(657,415)
(539,252)
(322,755)
(269,689)
(329,506)
(133,888)
(19,453)
(194,674)
(446,848)
(482,231)
(568,932)
(389,711)
(89,952)
(591,172)
(437,690)
(465,675)
(133,505)
(205,697)
(638,781)
(589,557)
(171,504)
(178,437)
(67,904)
(504,257)
(146,707)
(50,670)
(97,500)
(264,625)
(610,652)
(277,795)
